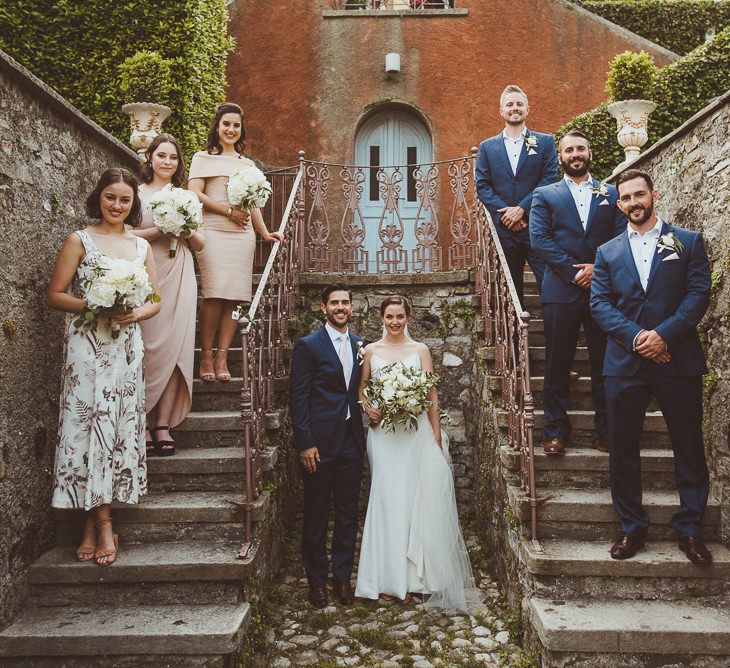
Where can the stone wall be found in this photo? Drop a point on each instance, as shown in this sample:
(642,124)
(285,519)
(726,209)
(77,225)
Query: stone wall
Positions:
(50,157)
(443,318)
(691,171)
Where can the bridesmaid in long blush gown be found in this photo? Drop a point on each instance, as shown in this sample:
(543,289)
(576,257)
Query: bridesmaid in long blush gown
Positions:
(226,264)
(411,540)
(169,339)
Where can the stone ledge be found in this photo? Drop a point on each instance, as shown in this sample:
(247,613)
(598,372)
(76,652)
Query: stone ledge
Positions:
(316,278)
(393,13)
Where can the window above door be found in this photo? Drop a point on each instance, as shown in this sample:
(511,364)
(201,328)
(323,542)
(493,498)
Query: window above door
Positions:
(385,8)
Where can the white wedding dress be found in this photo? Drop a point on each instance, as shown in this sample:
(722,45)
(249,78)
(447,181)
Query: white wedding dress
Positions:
(411,540)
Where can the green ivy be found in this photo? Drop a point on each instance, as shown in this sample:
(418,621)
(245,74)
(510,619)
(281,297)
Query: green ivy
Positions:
(77,48)
(677,25)
(681,90)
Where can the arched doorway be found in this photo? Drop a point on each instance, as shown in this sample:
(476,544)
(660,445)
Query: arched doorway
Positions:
(386,143)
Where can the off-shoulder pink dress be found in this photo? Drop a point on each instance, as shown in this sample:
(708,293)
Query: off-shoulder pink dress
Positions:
(169,337)
(226,262)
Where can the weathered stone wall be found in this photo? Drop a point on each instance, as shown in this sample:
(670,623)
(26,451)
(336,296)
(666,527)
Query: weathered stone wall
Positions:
(443,317)
(691,171)
(307,78)
(50,157)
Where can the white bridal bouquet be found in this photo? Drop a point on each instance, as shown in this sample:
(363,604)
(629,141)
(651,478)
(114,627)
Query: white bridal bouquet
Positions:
(114,286)
(175,211)
(248,188)
(401,393)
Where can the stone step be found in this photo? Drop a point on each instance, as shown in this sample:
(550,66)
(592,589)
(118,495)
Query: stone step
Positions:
(129,631)
(216,429)
(202,469)
(655,433)
(587,514)
(235,359)
(581,569)
(537,360)
(586,468)
(173,516)
(197,572)
(631,633)
(219,396)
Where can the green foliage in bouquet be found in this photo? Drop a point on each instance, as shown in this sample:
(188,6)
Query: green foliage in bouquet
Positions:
(677,25)
(631,76)
(145,77)
(681,90)
(77,48)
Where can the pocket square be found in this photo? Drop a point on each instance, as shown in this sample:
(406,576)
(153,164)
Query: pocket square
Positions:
(532,151)
(603,202)
(673,256)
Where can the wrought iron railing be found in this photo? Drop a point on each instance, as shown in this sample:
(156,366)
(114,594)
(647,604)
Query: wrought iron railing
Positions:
(506,327)
(400,219)
(265,343)
(391,4)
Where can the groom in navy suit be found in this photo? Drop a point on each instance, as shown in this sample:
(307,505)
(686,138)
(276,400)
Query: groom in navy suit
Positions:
(330,440)
(651,287)
(509,167)
(569,220)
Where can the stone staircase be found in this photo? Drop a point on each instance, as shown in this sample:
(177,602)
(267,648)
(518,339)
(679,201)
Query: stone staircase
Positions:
(582,608)
(177,595)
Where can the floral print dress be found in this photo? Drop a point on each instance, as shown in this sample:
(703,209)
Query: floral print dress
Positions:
(101,456)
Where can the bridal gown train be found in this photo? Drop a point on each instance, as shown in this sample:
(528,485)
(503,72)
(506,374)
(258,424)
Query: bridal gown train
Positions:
(411,540)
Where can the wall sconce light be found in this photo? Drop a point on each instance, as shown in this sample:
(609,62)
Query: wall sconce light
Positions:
(392,63)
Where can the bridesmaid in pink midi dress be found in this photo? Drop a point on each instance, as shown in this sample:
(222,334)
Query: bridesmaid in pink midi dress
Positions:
(169,338)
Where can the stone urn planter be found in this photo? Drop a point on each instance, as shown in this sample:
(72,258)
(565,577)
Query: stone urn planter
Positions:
(146,119)
(632,120)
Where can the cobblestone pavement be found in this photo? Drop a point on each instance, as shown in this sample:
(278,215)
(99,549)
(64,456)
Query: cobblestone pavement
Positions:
(386,634)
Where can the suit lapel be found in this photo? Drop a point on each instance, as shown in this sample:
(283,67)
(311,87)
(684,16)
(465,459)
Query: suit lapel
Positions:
(329,350)
(355,361)
(564,191)
(502,151)
(593,207)
(629,261)
(657,259)
(523,153)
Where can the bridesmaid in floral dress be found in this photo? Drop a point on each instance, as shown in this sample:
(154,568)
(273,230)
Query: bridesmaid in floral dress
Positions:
(100,456)
(226,264)
(169,339)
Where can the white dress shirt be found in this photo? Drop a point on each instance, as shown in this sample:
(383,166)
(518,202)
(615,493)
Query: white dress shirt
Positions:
(514,148)
(643,248)
(343,348)
(581,193)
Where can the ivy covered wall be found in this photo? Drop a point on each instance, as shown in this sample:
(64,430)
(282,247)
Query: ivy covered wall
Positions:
(77,47)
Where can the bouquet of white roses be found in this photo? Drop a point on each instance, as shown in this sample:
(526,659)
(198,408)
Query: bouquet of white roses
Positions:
(175,211)
(114,286)
(400,393)
(248,188)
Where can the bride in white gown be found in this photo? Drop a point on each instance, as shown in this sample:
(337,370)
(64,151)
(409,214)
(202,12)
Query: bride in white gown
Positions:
(412,541)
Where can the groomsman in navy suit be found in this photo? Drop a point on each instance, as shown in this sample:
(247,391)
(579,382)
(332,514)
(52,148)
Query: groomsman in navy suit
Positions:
(330,440)
(569,220)
(651,286)
(509,167)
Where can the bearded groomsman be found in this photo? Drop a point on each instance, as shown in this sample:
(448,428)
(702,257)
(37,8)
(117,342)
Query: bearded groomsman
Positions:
(569,220)
(509,167)
(651,286)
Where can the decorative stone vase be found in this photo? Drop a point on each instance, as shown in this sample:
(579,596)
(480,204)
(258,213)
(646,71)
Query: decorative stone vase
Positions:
(632,119)
(146,119)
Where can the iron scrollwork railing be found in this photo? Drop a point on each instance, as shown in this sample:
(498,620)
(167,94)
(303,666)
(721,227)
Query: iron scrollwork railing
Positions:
(506,326)
(265,344)
(391,4)
(394,219)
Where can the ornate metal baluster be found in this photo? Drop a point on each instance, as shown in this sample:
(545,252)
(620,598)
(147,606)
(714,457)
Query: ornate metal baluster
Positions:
(461,251)
(352,256)
(427,253)
(318,255)
(391,257)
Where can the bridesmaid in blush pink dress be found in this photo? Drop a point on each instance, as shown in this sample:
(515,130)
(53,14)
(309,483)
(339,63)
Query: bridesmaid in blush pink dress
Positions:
(169,338)
(226,265)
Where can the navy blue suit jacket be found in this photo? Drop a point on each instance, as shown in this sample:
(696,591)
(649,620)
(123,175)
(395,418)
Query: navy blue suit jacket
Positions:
(558,237)
(318,396)
(497,187)
(676,297)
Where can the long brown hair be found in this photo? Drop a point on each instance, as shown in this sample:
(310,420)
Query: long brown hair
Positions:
(145,171)
(397,300)
(214,142)
(115,175)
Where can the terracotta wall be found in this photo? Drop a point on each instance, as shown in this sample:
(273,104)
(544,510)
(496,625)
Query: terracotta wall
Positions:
(306,80)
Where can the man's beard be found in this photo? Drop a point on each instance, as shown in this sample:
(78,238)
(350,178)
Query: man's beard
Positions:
(519,121)
(577,171)
(334,323)
(647,212)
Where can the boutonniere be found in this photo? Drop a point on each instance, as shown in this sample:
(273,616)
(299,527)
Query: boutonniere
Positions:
(360,352)
(669,242)
(600,190)
(530,141)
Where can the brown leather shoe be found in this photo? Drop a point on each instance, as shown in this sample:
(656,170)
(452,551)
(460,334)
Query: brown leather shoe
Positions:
(695,550)
(555,447)
(627,546)
(318,597)
(573,375)
(343,592)
(600,445)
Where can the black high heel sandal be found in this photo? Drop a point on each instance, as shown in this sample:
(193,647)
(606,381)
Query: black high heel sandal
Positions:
(151,444)
(164,448)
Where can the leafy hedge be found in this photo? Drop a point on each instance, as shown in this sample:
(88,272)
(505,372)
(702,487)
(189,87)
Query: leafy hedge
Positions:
(677,25)
(681,90)
(77,48)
